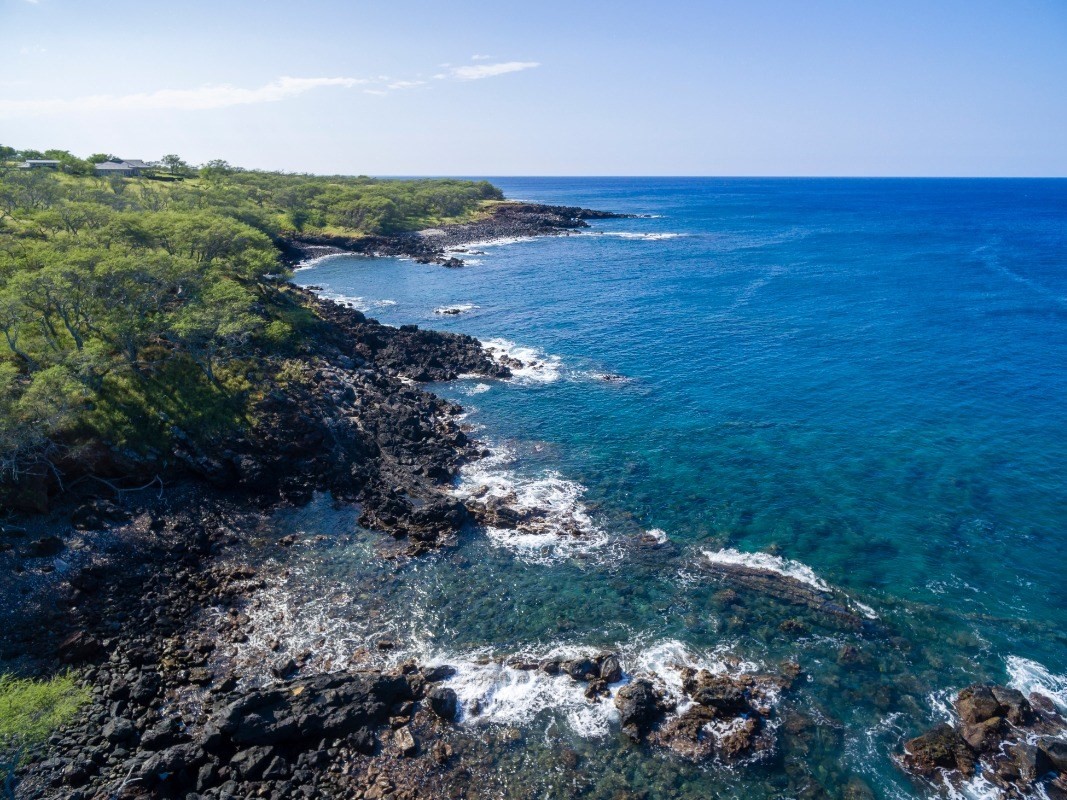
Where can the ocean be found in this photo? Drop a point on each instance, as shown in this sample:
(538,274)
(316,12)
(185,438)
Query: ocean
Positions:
(859,383)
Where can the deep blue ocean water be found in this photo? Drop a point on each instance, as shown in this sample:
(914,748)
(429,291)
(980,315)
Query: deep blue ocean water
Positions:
(867,377)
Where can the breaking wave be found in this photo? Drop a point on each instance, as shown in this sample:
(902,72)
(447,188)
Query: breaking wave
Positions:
(527,364)
(643,237)
(458,308)
(553,522)
(1029,676)
(791,569)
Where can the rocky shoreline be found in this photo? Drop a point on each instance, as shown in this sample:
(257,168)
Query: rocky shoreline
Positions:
(505,220)
(145,593)
(115,582)
(114,579)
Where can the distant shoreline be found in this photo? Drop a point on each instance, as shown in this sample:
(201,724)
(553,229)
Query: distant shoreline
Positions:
(508,220)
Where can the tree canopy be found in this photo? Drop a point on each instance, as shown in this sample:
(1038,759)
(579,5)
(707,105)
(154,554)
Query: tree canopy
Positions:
(134,310)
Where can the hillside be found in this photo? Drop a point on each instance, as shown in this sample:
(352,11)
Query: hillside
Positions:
(137,312)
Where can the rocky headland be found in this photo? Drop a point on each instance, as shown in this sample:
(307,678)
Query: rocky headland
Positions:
(504,220)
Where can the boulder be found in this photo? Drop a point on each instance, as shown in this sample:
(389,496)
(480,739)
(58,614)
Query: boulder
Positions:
(444,703)
(251,763)
(166,764)
(641,706)
(722,693)
(687,734)
(118,730)
(985,736)
(939,748)
(610,668)
(1054,751)
(404,741)
(283,667)
(977,704)
(581,669)
(1014,706)
(740,739)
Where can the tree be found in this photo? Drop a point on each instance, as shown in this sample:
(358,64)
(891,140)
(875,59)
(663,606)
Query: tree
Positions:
(100,158)
(217,168)
(175,165)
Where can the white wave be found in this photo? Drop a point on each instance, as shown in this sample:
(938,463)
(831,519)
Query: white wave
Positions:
(605,377)
(527,364)
(458,308)
(975,788)
(1029,676)
(639,236)
(462,249)
(658,534)
(865,609)
(383,303)
(791,569)
(557,523)
(314,261)
(491,692)
(478,388)
(665,662)
(351,301)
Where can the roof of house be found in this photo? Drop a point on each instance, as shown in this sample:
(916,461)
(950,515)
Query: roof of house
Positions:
(49,161)
(136,162)
(115,165)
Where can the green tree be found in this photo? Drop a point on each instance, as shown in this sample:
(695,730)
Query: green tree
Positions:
(175,165)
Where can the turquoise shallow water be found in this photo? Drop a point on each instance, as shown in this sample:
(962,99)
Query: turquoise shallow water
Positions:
(863,376)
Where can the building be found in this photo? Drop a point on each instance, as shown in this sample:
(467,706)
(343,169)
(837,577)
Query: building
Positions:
(126,168)
(40,163)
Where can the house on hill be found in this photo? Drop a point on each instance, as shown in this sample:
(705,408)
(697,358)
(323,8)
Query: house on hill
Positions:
(39,163)
(125,168)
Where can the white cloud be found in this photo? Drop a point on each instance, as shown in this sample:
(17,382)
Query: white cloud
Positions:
(479,71)
(480,58)
(202,98)
(226,95)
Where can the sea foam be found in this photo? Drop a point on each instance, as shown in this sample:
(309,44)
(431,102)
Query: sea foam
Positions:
(537,367)
(1029,676)
(458,308)
(557,524)
(640,236)
(491,692)
(791,569)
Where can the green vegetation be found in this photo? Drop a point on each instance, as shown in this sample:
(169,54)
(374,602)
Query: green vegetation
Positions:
(137,310)
(31,709)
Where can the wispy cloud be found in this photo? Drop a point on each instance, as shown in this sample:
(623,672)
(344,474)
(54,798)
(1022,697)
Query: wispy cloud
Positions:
(480,58)
(202,98)
(225,95)
(405,84)
(474,72)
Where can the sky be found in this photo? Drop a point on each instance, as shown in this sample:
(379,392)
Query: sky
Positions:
(751,87)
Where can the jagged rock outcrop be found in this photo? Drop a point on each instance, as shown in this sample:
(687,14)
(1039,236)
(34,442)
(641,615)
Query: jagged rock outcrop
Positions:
(1017,743)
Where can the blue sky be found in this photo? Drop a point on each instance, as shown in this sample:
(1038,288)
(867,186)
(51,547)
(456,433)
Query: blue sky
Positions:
(547,88)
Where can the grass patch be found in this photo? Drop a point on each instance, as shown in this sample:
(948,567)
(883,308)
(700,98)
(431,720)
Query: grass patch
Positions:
(31,709)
